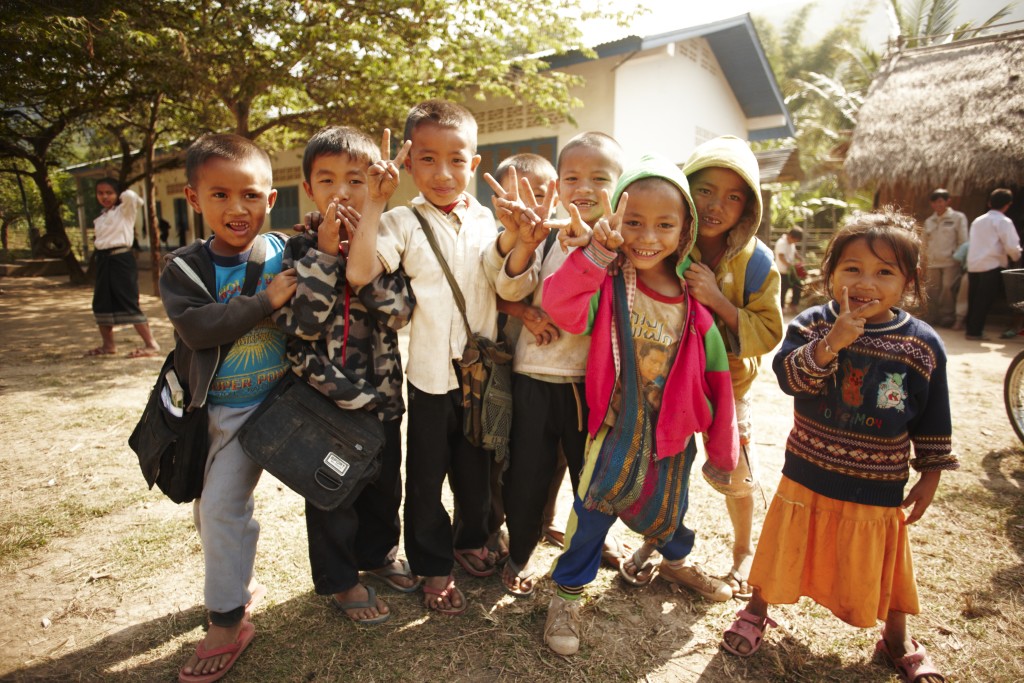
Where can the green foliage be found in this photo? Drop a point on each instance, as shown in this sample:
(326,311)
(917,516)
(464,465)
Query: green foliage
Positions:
(927,22)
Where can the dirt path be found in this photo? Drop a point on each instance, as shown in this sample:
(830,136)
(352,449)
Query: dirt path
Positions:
(102,579)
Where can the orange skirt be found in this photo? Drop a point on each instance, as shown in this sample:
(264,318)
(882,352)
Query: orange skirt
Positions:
(850,558)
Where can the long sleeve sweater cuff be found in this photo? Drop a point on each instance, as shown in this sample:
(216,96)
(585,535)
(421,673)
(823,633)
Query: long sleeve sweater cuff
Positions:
(599,255)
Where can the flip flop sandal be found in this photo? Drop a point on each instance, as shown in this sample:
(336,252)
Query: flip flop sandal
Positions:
(911,666)
(632,579)
(387,571)
(750,628)
(481,554)
(737,592)
(498,545)
(234,649)
(143,353)
(370,601)
(98,351)
(523,575)
(449,590)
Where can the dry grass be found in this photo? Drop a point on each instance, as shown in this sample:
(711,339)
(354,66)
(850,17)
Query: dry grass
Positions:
(116,570)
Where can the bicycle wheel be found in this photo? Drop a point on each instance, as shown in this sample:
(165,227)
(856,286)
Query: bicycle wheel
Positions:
(1013,394)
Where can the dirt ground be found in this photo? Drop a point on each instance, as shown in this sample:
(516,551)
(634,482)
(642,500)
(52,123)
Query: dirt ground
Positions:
(102,579)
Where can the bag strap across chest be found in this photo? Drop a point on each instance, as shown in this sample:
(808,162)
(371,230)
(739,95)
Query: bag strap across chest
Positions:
(460,300)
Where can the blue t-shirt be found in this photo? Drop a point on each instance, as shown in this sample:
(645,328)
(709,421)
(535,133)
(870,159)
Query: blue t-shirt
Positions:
(257,359)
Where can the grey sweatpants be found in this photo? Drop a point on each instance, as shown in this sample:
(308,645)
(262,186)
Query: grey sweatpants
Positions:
(223,515)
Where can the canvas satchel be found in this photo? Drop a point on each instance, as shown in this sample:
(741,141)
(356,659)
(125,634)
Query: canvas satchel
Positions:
(324,453)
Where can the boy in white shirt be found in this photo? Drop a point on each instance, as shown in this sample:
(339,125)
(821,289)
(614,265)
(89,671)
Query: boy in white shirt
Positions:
(441,161)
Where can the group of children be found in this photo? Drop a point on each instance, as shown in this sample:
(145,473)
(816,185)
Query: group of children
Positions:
(644,316)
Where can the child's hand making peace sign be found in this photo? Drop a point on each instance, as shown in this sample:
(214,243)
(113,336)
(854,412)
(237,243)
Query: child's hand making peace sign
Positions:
(382,176)
(845,330)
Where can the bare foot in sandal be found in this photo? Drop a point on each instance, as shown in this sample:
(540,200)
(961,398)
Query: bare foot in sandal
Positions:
(638,569)
(738,575)
(518,582)
(217,639)
(441,595)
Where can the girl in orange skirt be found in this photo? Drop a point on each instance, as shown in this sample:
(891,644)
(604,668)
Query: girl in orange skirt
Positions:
(870,399)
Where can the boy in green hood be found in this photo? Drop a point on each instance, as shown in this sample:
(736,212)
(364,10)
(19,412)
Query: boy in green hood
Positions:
(734,275)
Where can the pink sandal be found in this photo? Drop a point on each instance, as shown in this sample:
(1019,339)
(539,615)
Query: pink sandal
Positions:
(484,556)
(750,627)
(450,589)
(912,666)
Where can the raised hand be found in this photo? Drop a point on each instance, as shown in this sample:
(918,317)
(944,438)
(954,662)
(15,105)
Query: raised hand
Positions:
(534,233)
(509,205)
(850,323)
(328,234)
(382,176)
(607,231)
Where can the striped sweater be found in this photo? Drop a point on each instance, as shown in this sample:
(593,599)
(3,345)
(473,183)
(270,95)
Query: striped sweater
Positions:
(856,419)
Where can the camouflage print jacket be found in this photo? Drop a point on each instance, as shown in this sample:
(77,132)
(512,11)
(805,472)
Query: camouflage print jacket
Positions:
(366,370)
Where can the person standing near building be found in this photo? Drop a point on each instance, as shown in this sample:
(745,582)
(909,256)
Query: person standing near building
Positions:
(944,231)
(994,243)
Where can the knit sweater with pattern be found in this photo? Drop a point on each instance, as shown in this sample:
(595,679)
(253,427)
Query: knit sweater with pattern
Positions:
(877,409)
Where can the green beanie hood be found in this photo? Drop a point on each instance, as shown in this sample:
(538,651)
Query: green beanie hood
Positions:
(654,166)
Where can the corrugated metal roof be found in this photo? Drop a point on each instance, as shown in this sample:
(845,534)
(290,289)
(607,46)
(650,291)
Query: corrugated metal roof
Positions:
(779,165)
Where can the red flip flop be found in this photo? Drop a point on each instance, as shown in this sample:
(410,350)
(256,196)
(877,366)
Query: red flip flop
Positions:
(235,649)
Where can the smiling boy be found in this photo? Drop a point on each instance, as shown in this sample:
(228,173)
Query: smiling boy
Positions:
(441,161)
(229,183)
(344,343)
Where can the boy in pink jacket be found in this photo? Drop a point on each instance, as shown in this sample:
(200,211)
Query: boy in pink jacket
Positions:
(657,374)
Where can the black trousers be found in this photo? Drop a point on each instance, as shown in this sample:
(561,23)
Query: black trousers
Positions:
(983,288)
(436,448)
(544,416)
(347,540)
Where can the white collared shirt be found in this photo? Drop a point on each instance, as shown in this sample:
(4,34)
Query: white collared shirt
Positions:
(437,334)
(994,242)
(115,227)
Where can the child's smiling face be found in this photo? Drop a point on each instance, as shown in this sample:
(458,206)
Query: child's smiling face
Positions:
(234,198)
(656,217)
(720,196)
(337,176)
(583,172)
(870,273)
(441,161)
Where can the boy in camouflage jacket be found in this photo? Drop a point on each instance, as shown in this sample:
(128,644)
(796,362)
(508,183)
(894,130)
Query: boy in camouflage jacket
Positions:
(345,344)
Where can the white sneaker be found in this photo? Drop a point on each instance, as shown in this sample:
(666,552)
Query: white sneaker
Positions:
(562,628)
(695,578)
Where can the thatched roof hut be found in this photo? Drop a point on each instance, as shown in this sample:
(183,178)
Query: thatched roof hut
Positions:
(943,116)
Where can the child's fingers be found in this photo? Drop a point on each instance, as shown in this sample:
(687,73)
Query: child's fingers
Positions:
(526,192)
(620,211)
(550,199)
(385,144)
(606,204)
(495,185)
(402,153)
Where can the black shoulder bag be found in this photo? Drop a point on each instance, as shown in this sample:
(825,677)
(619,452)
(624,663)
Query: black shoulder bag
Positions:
(173,448)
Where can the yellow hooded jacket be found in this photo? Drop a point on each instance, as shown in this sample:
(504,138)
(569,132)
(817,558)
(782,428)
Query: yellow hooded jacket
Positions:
(746,257)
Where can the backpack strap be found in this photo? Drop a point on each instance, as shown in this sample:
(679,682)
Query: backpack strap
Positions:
(758,267)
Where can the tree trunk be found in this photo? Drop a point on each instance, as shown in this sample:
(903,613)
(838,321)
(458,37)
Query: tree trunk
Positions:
(55,224)
(148,144)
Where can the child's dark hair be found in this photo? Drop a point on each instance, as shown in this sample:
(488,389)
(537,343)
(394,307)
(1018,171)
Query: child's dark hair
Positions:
(888,226)
(444,114)
(796,233)
(338,140)
(222,146)
(526,162)
(113,182)
(599,141)
(1000,198)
